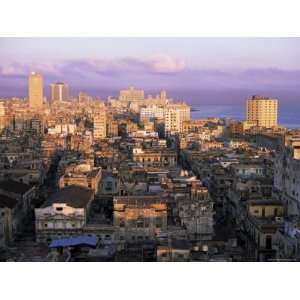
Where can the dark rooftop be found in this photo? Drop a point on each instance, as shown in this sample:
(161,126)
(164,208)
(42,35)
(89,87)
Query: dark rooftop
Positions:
(265,202)
(7,202)
(73,195)
(15,186)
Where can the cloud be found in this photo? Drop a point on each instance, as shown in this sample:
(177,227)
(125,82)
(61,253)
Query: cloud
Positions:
(161,64)
(165,64)
(22,70)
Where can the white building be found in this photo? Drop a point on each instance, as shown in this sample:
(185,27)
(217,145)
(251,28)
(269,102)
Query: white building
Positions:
(152,111)
(62,129)
(174,116)
(64,214)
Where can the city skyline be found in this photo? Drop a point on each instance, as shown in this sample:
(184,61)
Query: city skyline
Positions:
(145,176)
(200,70)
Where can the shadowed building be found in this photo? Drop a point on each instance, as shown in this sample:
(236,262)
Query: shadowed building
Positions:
(139,218)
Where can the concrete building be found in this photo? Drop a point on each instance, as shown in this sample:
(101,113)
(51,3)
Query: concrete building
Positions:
(196,213)
(155,157)
(262,110)
(174,117)
(2,109)
(59,91)
(100,123)
(131,95)
(152,112)
(112,128)
(35,90)
(287,174)
(139,218)
(89,179)
(15,207)
(64,214)
(264,218)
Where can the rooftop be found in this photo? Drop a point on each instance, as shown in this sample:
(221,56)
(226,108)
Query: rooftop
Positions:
(73,195)
(7,202)
(15,186)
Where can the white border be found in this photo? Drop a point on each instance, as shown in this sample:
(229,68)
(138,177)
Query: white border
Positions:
(155,18)
(135,18)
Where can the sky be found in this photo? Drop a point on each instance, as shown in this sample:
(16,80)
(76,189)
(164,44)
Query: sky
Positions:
(197,70)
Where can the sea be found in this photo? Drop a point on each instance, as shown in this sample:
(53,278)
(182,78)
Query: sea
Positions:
(288,117)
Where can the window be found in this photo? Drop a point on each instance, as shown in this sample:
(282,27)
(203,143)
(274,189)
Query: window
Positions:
(45,225)
(59,208)
(73,225)
(268,242)
(140,222)
(158,222)
(147,222)
(122,223)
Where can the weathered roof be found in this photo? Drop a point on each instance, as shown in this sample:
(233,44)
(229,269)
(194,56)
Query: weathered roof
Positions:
(272,202)
(7,202)
(15,186)
(73,195)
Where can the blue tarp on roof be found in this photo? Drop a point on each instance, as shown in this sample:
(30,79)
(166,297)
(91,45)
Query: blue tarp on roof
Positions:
(75,241)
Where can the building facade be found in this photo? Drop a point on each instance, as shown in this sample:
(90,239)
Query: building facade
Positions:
(35,90)
(139,218)
(59,91)
(262,110)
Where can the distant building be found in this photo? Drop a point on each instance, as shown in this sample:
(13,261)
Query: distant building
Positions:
(112,128)
(2,109)
(262,110)
(100,124)
(59,91)
(152,112)
(174,117)
(131,95)
(35,90)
